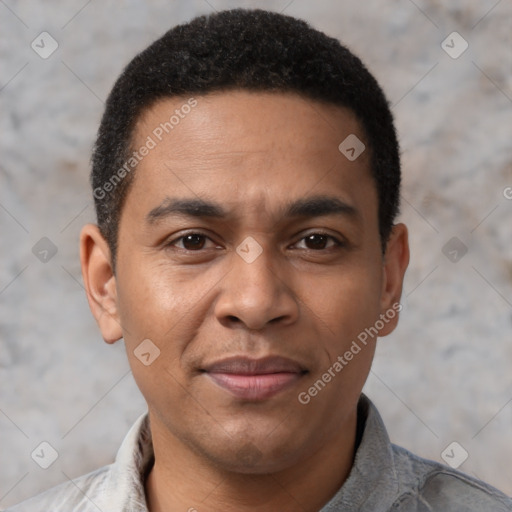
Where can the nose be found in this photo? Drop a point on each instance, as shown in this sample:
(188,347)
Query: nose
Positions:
(256,293)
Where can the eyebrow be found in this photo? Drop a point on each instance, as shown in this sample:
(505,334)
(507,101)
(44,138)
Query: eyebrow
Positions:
(316,206)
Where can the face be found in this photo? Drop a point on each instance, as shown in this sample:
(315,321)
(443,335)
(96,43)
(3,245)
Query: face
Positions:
(249,255)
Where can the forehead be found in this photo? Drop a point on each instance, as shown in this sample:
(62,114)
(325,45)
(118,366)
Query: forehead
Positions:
(245,117)
(248,148)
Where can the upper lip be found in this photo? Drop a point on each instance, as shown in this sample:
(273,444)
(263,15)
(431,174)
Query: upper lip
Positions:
(249,366)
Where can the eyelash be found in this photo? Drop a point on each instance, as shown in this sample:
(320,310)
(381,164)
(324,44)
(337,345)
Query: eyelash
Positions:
(337,243)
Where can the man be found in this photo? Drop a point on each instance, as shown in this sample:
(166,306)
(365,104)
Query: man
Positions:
(246,177)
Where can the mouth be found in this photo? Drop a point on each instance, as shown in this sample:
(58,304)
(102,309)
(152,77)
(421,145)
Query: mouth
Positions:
(255,379)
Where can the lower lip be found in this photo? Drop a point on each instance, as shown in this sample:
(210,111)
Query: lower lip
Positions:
(255,387)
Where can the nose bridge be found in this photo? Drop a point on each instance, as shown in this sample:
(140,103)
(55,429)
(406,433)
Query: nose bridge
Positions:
(254,266)
(254,292)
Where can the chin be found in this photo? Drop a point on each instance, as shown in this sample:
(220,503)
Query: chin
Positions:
(255,457)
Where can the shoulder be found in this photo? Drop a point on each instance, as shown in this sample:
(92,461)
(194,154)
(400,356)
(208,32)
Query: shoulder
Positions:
(427,485)
(118,486)
(83,493)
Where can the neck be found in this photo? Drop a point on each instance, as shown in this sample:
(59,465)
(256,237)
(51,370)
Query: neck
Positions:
(181,480)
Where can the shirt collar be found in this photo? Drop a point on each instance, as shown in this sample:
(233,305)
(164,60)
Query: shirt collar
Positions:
(372,484)
(124,489)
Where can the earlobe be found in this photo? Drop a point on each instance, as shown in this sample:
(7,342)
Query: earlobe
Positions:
(100,282)
(395,264)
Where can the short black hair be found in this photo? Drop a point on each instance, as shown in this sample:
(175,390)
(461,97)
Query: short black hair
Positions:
(247,49)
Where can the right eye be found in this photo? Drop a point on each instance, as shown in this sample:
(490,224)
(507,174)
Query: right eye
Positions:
(189,242)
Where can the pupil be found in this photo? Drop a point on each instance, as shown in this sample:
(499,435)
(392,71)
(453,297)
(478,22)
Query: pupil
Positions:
(194,241)
(318,241)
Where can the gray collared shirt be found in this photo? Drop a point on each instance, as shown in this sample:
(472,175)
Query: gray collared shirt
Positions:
(384,477)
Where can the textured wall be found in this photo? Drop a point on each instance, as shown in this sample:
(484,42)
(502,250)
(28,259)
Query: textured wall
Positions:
(443,376)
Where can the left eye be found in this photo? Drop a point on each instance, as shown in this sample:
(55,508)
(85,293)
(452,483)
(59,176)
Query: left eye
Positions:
(319,241)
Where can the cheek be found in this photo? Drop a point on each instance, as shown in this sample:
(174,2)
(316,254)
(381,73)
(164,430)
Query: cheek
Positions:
(345,309)
(148,294)
(155,313)
(165,306)
(346,302)
(142,302)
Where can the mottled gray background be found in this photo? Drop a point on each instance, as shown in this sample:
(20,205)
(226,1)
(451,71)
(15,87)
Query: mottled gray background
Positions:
(444,375)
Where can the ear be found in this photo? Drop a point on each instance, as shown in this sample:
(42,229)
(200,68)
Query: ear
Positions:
(100,282)
(396,260)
